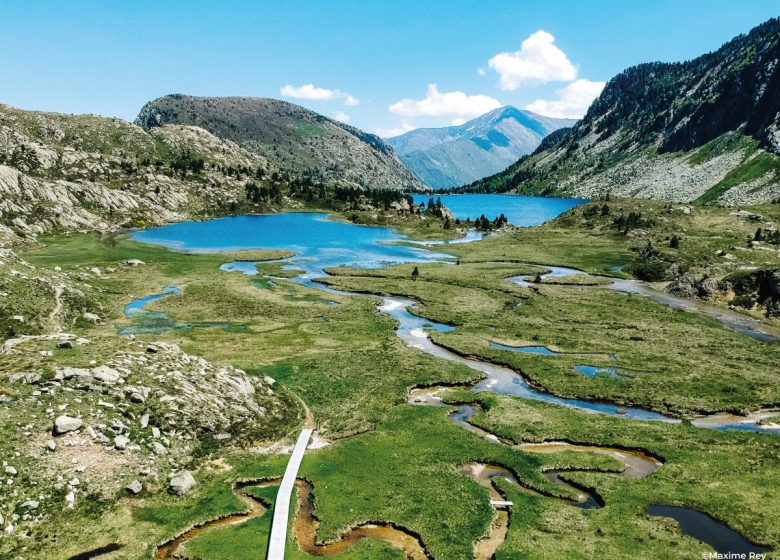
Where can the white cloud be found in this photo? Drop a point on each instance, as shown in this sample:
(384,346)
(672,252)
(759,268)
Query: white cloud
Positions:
(312,92)
(481,71)
(450,104)
(390,132)
(537,61)
(340,116)
(458,122)
(572,101)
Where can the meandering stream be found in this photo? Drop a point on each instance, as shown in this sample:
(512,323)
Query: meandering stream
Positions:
(336,246)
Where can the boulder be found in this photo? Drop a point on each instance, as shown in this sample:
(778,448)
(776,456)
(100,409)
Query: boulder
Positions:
(91,317)
(121,442)
(64,424)
(134,487)
(107,375)
(182,482)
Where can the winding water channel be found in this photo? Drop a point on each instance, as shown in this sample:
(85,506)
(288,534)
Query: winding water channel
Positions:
(329,249)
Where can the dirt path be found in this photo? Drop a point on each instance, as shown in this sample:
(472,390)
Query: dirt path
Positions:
(53,318)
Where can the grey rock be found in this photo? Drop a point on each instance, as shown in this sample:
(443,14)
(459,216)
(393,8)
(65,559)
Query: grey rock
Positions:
(28,378)
(64,424)
(91,317)
(121,442)
(134,487)
(107,375)
(182,482)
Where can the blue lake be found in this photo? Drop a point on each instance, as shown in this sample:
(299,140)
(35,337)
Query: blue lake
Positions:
(317,241)
(520,210)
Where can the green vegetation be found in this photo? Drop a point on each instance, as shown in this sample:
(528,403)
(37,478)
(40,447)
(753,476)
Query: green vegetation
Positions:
(734,373)
(741,468)
(393,462)
(757,165)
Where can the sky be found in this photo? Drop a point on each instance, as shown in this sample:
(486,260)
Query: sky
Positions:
(383,66)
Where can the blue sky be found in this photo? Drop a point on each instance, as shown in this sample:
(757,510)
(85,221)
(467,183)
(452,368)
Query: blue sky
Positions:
(370,62)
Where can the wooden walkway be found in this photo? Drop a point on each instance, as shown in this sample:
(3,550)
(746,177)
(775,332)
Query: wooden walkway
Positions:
(281,517)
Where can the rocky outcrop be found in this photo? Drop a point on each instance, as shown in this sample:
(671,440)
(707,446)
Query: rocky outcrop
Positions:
(66,173)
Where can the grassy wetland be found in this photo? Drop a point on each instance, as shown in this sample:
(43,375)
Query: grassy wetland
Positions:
(379,460)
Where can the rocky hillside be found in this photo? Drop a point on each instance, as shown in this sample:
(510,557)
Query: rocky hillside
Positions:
(706,130)
(293,138)
(447,157)
(64,173)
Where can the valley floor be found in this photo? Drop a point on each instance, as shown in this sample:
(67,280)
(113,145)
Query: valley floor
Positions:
(218,380)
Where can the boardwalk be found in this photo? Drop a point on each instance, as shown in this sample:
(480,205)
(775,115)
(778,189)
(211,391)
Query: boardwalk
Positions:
(278,538)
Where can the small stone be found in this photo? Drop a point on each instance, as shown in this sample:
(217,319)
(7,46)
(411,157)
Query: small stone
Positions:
(158,448)
(120,442)
(134,487)
(144,421)
(155,432)
(30,504)
(91,317)
(10,470)
(182,482)
(64,424)
(50,445)
(152,349)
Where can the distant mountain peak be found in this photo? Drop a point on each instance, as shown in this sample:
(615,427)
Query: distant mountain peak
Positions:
(451,156)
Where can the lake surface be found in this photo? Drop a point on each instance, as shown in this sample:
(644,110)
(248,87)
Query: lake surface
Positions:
(318,241)
(519,210)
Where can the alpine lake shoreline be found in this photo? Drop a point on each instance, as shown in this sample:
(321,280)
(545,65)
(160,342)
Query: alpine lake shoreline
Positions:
(382,459)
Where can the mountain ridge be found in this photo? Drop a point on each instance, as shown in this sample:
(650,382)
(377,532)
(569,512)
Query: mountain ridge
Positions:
(450,156)
(705,130)
(315,146)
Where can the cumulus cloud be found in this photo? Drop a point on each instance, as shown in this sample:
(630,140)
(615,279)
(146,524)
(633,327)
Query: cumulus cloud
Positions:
(447,104)
(539,60)
(340,116)
(312,92)
(390,132)
(572,101)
